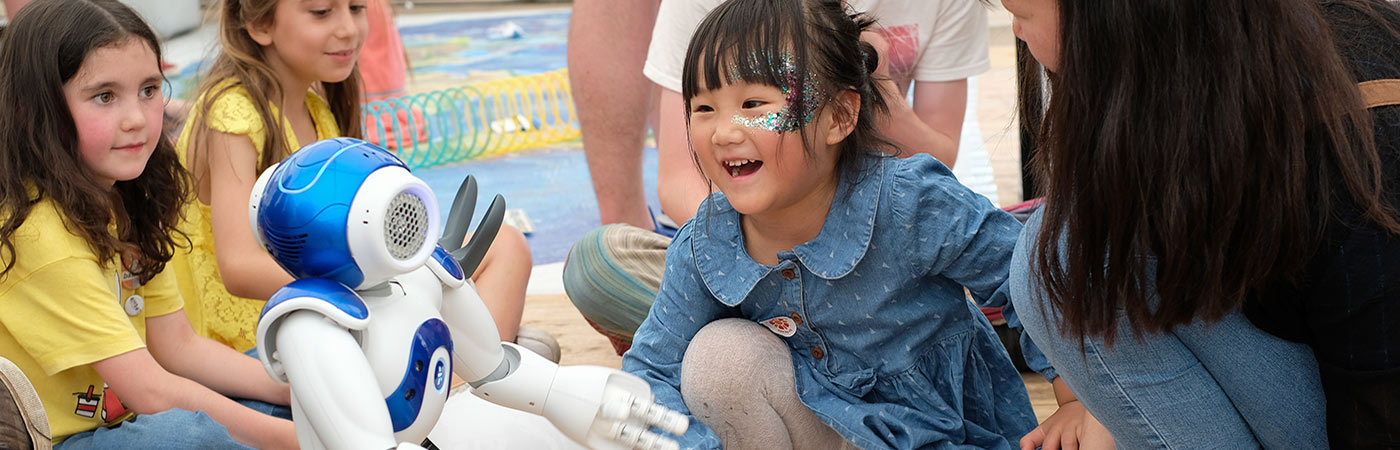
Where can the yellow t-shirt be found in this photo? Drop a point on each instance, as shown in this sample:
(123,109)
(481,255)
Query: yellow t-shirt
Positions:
(213,311)
(64,310)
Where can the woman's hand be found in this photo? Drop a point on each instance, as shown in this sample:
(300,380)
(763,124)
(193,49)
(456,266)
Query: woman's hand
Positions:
(1070,428)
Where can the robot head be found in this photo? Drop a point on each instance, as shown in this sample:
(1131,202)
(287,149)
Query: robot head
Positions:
(346,210)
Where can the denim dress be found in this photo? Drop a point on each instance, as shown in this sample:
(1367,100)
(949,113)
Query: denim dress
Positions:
(887,349)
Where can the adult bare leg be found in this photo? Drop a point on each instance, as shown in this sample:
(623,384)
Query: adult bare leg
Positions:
(685,187)
(607,47)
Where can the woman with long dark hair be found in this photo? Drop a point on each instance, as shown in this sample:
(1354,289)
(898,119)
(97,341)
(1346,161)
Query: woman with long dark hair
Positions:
(1220,206)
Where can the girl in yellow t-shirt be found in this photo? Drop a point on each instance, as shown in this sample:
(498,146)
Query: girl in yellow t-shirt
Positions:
(286,76)
(88,187)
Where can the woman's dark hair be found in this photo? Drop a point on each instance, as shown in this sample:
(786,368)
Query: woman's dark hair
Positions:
(1212,140)
(776,43)
(44,47)
(241,63)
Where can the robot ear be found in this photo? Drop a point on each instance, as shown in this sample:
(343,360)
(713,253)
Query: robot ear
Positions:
(460,216)
(470,256)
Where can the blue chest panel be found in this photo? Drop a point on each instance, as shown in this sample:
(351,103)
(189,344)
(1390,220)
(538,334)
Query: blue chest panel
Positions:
(406,401)
(304,209)
(328,291)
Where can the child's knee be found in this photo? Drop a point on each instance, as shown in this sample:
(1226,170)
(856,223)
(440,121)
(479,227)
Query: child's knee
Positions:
(509,251)
(732,341)
(510,245)
(729,360)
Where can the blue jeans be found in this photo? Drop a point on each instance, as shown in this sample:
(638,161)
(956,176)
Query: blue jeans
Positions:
(170,429)
(1225,385)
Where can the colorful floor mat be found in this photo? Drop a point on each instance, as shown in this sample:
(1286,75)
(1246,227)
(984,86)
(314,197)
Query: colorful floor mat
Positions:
(453,53)
(551,185)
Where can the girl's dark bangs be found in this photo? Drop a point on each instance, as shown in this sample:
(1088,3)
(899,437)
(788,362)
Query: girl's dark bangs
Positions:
(736,43)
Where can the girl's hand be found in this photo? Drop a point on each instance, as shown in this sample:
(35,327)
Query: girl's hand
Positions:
(1070,428)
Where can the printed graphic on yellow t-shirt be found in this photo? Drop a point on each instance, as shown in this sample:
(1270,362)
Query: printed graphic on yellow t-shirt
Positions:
(63,311)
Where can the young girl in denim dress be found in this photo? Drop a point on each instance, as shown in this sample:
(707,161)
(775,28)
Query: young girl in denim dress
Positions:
(817,300)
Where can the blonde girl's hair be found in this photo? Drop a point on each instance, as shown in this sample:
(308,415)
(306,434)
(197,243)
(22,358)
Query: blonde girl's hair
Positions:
(241,63)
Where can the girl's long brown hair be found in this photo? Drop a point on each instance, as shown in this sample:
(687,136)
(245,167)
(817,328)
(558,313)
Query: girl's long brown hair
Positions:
(43,47)
(1192,148)
(241,61)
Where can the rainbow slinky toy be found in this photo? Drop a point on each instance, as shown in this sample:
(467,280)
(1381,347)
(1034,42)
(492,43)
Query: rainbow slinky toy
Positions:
(475,121)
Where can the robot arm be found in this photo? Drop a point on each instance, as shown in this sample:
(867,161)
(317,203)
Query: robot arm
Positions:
(477,353)
(307,337)
(598,407)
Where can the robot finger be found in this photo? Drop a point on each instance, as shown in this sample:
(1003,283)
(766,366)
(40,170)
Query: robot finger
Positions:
(470,256)
(661,417)
(638,438)
(459,218)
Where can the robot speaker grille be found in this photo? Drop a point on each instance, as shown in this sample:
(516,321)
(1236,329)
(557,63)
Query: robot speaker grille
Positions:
(406,226)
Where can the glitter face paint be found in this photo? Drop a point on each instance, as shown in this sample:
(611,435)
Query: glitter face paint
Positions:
(776,122)
(784,120)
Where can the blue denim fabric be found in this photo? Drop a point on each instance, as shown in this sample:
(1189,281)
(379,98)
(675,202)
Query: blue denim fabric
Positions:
(174,429)
(887,349)
(171,429)
(1226,385)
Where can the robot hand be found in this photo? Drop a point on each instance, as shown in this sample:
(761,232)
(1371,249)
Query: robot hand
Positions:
(621,408)
(598,407)
(468,256)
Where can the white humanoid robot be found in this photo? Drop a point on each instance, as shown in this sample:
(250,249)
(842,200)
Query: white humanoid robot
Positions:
(381,314)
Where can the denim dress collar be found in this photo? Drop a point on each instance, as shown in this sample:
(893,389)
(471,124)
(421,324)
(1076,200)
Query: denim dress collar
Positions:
(730,273)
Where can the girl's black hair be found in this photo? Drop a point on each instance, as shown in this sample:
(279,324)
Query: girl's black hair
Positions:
(1216,138)
(803,45)
(44,46)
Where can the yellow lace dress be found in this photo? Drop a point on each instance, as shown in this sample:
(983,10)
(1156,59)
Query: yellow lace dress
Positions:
(213,311)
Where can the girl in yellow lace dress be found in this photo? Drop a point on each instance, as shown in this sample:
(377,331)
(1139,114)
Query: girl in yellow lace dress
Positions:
(286,76)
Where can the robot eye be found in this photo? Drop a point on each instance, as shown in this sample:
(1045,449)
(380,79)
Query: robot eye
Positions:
(406,227)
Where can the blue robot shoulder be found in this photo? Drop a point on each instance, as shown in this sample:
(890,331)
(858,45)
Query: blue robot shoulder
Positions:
(329,298)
